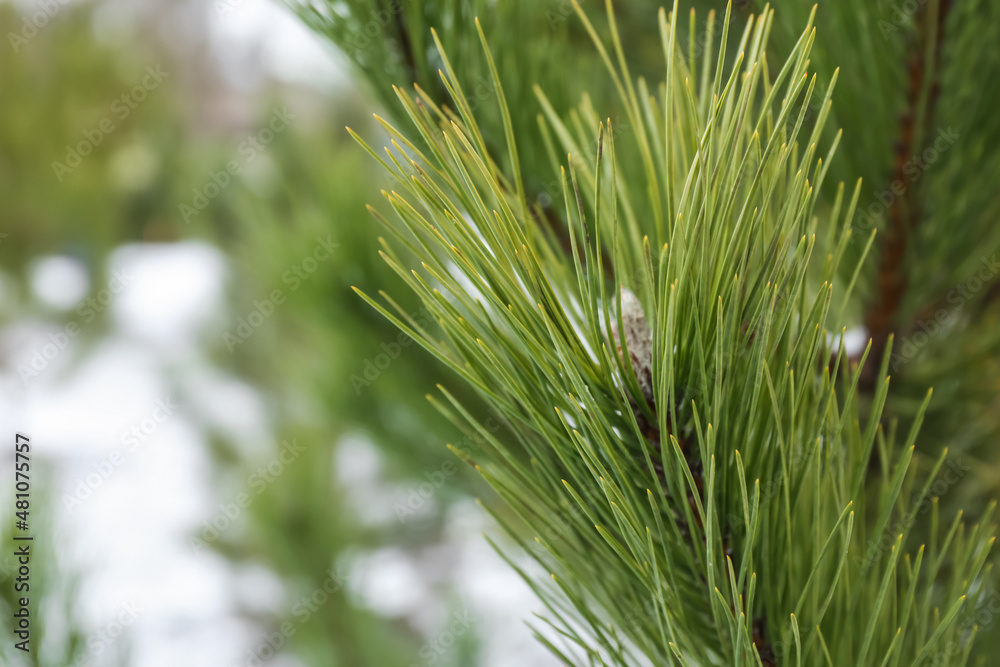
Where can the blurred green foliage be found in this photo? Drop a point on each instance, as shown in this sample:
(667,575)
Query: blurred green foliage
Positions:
(130,187)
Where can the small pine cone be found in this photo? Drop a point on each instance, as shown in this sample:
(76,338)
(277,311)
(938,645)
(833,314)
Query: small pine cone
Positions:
(638,339)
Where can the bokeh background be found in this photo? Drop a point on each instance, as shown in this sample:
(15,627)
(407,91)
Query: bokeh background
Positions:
(227,468)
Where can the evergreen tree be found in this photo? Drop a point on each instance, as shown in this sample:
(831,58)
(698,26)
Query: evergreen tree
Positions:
(642,237)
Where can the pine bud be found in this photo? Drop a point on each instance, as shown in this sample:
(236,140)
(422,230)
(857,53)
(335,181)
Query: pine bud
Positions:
(638,339)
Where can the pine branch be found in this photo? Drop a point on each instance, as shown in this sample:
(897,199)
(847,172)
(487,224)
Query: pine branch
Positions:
(697,475)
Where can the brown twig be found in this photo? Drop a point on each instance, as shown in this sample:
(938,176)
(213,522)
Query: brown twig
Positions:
(904,211)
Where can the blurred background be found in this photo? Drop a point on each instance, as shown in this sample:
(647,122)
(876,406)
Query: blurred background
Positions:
(233,462)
